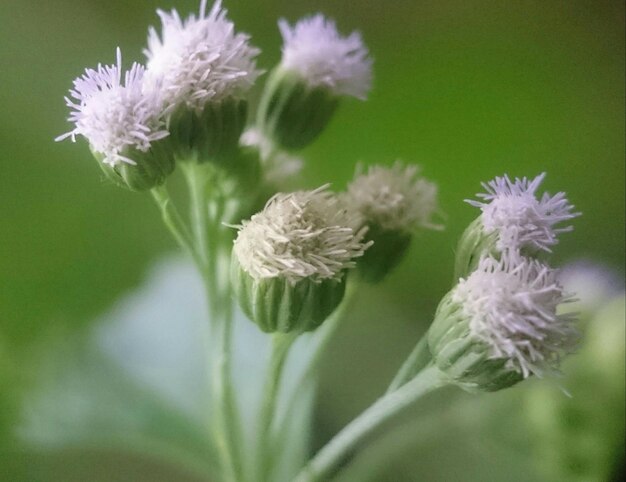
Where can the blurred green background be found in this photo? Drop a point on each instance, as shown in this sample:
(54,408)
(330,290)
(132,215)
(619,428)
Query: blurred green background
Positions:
(469,90)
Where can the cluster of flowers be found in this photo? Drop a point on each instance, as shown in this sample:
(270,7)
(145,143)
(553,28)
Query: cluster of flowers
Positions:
(291,259)
(498,325)
(501,322)
(189,103)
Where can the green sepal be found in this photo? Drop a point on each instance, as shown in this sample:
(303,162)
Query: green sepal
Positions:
(151,168)
(277,305)
(474,244)
(211,135)
(291,113)
(464,359)
(384,255)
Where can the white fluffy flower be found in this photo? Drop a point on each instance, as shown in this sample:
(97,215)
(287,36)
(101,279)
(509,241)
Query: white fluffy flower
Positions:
(521,219)
(114,113)
(314,49)
(200,59)
(512,306)
(305,234)
(278,165)
(395,198)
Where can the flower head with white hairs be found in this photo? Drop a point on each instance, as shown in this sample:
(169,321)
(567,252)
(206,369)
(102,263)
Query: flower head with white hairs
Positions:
(520,218)
(200,59)
(114,112)
(394,198)
(315,50)
(511,305)
(305,234)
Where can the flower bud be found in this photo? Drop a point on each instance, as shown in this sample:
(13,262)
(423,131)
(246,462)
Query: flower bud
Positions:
(278,305)
(386,252)
(204,70)
(500,325)
(124,125)
(317,68)
(293,114)
(289,261)
(475,243)
(513,218)
(393,202)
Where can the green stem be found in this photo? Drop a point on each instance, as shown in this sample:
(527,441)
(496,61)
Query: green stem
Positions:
(324,336)
(281,343)
(327,332)
(197,177)
(417,360)
(329,459)
(213,247)
(174,221)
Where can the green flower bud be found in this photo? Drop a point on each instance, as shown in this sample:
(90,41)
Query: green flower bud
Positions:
(393,202)
(278,305)
(210,134)
(465,360)
(386,252)
(150,168)
(290,260)
(204,69)
(474,244)
(513,218)
(124,124)
(292,113)
(500,325)
(318,66)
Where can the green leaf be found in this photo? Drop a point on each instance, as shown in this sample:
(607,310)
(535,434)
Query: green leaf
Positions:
(135,390)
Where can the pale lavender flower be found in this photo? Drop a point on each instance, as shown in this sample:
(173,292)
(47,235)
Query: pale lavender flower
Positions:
(511,304)
(201,59)
(520,218)
(315,50)
(114,112)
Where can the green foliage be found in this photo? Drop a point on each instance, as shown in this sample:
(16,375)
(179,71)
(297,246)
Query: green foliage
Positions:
(135,388)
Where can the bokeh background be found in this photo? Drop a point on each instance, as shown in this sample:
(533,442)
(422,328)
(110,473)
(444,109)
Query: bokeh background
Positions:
(468,90)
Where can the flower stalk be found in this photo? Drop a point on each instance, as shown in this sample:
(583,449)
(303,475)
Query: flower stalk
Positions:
(213,245)
(419,358)
(358,432)
(281,343)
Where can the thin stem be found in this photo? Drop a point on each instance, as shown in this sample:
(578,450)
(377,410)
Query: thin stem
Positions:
(197,178)
(417,360)
(324,336)
(327,331)
(281,343)
(213,247)
(329,459)
(174,221)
